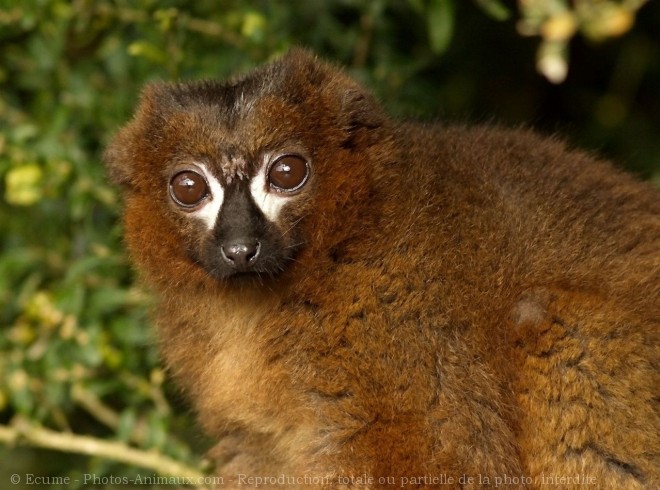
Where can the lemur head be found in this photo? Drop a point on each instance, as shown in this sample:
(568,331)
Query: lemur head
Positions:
(238,179)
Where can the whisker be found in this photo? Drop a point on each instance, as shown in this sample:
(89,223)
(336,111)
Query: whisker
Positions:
(294,245)
(291,227)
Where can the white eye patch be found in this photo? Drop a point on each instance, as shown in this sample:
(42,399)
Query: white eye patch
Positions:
(209,212)
(270,203)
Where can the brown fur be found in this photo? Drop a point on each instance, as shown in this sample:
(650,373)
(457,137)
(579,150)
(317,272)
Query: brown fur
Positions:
(471,303)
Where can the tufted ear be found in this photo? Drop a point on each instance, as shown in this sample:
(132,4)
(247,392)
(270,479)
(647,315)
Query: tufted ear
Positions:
(299,75)
(360,116)
(121,153)
(361,110)
(116,161)
(358,108)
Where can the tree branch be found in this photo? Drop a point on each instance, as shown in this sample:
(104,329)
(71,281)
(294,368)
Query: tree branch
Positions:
(21,432)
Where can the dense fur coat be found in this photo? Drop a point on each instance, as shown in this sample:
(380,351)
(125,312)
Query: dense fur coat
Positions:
(465,305)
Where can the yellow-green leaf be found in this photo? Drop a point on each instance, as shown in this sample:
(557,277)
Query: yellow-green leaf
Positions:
(441,24)
(23,185)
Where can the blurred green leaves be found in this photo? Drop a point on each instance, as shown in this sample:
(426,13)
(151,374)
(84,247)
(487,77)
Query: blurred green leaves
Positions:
(440,22)
(495,8)
(557,21)
(72,320)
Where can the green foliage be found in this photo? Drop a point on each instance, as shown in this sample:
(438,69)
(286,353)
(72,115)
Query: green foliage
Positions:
(76,351)
(557,21)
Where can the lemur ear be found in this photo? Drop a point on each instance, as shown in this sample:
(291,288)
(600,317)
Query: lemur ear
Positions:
(119,155)
(358,113)
(360,110)
(119,171)
(156,101)
(361,117)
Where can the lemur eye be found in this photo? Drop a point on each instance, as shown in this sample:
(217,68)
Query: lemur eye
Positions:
(188,188)
(288,173)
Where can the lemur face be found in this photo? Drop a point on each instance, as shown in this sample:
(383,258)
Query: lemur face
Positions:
(243,212)
(246,178)
(236,190)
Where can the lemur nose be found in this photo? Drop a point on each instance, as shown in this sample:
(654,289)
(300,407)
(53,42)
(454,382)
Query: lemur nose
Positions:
(240,254)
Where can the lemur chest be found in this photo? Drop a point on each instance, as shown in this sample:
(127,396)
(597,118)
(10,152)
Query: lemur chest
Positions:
(241,383)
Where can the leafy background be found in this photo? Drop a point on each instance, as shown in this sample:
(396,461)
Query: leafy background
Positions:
(76,353)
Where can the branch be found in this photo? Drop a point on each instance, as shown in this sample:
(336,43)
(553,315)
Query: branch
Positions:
(93,405)
(103,413)
(21,432)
